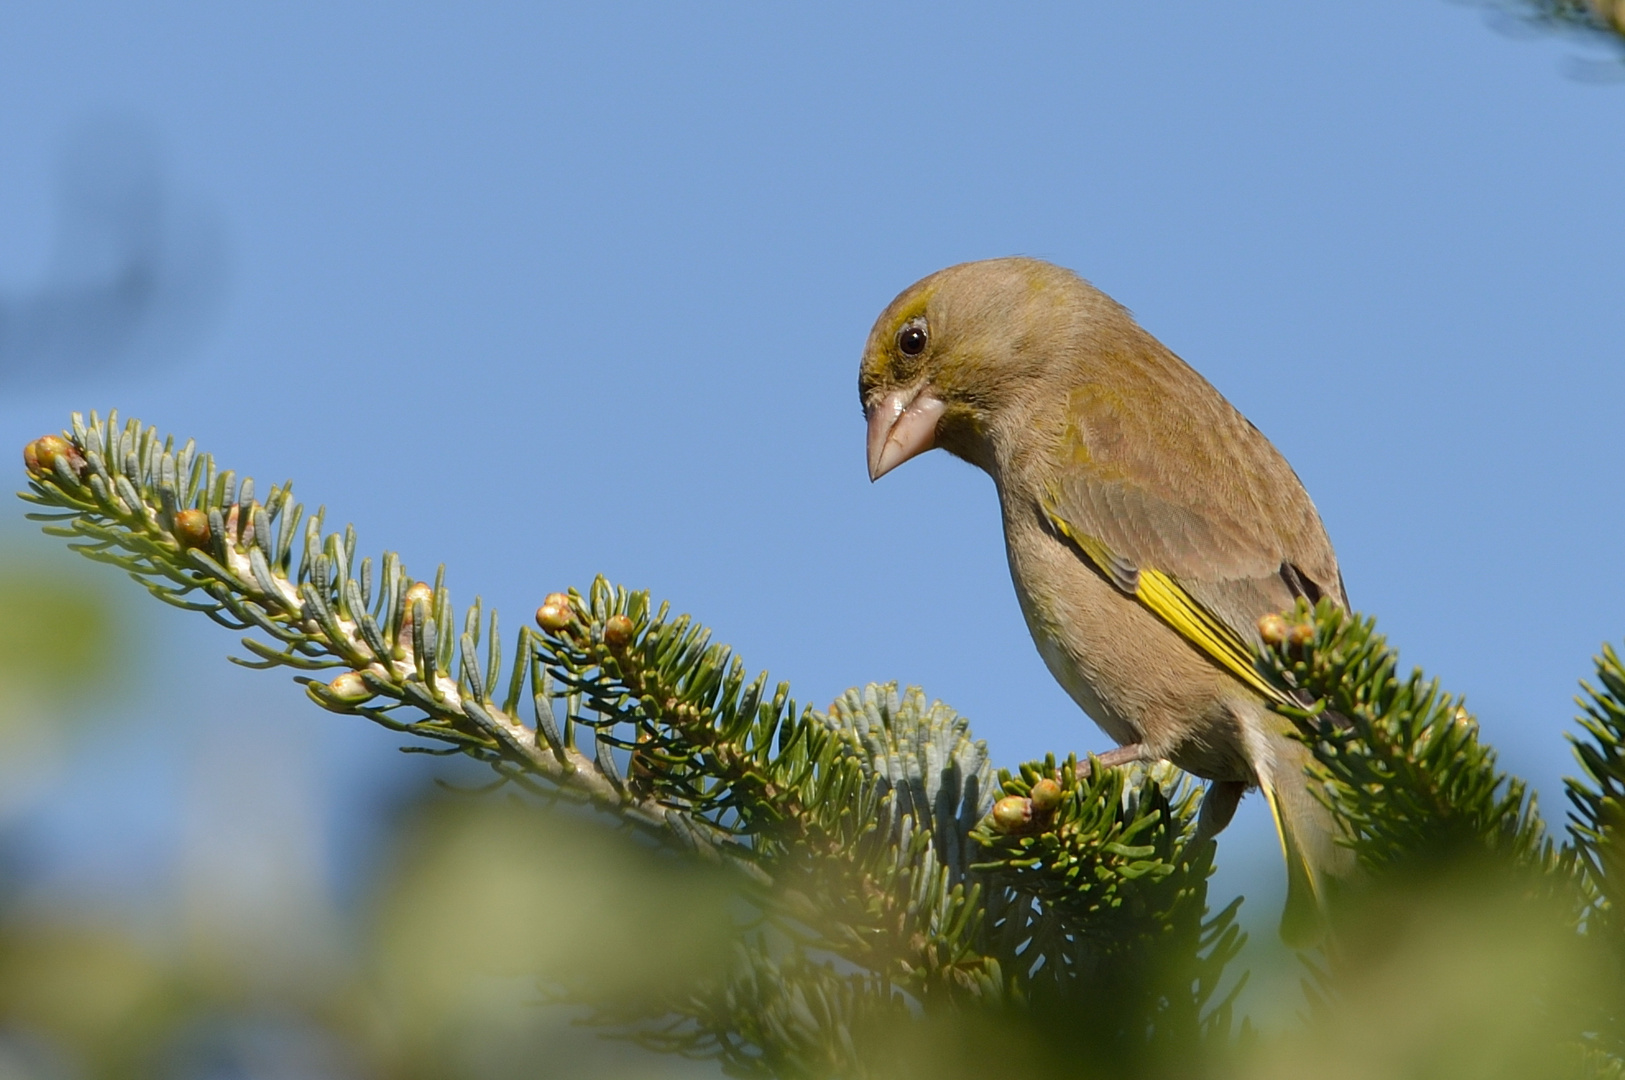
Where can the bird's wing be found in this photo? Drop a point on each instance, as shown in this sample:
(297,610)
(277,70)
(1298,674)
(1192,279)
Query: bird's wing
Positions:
(1210,547)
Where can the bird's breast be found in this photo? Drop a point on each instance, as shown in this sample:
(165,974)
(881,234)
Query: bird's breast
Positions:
(1070,611)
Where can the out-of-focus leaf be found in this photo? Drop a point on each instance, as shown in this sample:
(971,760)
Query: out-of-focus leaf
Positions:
(57,641)
(489,894)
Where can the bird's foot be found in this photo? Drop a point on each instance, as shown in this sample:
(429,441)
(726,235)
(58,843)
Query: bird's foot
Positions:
(1218,807)
(1122,755)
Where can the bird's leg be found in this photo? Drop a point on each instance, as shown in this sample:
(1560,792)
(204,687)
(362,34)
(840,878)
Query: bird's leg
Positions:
(1218,807)
(1122,755)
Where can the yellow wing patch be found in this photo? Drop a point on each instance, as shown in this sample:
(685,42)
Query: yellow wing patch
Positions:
(1176,607)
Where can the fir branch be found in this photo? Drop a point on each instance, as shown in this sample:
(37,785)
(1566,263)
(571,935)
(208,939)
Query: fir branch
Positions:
(1597,820)
(832,819)
(1401,765)
(1102,898)
(1437,826)
(1597,835)
(192,535)
(712,765)
(815,798)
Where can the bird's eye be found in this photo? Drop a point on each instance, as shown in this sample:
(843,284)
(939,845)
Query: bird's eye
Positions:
(911,339)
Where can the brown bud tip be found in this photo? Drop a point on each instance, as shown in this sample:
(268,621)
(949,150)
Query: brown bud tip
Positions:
(350,688)
(41,455)
(1300,634)
(618,631)
(558,600)
(1012,814)
(1046,795)
(1273,629)
(192,528)
(553,617)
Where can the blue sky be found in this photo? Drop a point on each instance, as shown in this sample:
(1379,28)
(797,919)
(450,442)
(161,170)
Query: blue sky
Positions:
(544,292)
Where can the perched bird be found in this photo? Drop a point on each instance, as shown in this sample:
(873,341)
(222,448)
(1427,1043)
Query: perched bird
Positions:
(1148,524)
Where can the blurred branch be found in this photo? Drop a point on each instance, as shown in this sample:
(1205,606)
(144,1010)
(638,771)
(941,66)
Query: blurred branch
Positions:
(1591,16)
(1602,21)
(136,269)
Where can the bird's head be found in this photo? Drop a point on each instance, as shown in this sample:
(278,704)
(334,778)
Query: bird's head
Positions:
(958,354)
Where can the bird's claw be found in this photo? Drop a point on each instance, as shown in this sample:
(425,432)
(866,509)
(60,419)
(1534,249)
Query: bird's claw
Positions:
(1121,755)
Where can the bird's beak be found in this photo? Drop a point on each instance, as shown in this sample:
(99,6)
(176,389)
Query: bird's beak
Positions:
(902,425)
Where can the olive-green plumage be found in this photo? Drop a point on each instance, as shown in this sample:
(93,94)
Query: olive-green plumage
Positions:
(1139,508)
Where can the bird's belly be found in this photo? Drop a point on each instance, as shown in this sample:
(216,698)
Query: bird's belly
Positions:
(1070,610)
(1073,673)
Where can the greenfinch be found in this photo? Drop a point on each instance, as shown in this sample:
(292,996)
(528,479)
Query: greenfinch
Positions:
(1149,526)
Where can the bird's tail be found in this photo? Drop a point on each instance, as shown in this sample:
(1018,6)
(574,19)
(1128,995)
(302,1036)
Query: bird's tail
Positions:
(1308,833)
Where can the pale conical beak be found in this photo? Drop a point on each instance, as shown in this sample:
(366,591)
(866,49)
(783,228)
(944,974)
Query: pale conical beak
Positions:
(901,426)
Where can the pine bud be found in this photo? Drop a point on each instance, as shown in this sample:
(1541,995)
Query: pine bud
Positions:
(1012,814)
(419,590)
(192,528)
(350,688)
(1301,634)
(41,455)
(1046,795)
(1273,629)
(556,613)
(618,632)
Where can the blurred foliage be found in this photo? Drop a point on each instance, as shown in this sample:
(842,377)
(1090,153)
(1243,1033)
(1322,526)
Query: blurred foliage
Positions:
(687,859)
(57,632)
(593,915)
(422,995)
(58,656)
